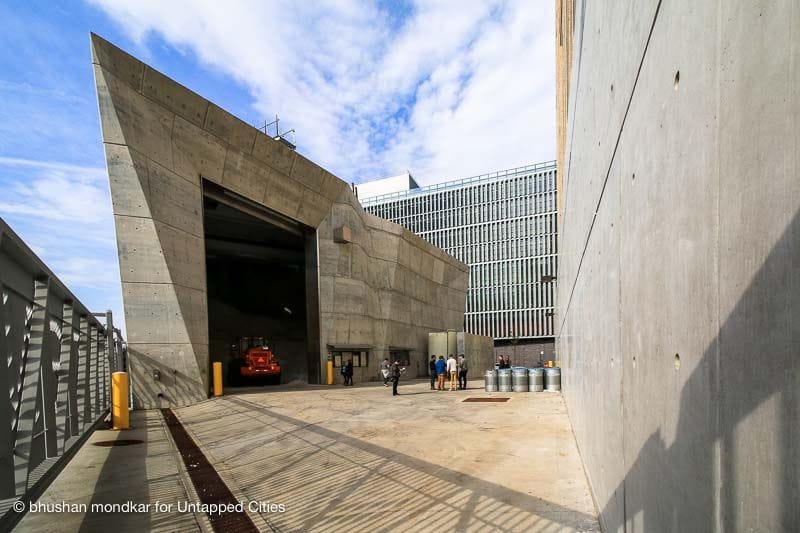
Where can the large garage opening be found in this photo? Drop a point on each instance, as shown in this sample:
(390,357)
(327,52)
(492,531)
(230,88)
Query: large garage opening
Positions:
(263,322)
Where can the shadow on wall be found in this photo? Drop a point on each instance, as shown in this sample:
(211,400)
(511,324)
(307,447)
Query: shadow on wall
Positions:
(745,366)
(174,388)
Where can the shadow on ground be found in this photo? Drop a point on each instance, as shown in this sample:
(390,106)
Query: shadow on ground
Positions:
(333,481)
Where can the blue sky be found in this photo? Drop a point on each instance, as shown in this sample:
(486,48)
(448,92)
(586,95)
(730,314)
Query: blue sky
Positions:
(445,89)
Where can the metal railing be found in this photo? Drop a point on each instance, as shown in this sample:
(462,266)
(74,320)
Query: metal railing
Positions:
(454,184)
(56,361)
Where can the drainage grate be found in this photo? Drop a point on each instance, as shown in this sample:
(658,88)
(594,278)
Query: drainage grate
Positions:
(487,400)
(118,442)
(209,486)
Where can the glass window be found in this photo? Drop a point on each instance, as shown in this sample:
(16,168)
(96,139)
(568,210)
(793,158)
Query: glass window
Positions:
(400,355)
(359,358)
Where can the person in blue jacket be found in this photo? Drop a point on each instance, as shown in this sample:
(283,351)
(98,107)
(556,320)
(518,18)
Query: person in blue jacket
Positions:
(441,368)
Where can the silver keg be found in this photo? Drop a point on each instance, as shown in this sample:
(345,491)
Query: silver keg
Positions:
(536,379)
(519,379)
(491,380)
(504,380)
(552,379)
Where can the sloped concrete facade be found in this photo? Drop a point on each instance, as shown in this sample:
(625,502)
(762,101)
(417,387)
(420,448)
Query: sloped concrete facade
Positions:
(384,288)
(679,287)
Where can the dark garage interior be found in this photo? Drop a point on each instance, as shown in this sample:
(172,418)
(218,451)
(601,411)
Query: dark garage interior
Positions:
(259,275)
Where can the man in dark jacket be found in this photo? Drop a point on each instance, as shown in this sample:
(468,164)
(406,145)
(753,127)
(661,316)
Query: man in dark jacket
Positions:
(432,371)
(396,371)
(462,372)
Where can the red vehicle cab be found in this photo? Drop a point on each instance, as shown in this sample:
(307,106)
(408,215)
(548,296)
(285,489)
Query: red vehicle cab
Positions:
(252,359)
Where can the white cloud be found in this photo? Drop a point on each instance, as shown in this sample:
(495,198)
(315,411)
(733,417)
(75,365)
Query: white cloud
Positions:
(63,212)
(77,271)
(453,89)
(45,197)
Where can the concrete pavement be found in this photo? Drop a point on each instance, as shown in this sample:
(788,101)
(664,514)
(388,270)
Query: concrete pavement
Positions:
(140,473)
(357,459)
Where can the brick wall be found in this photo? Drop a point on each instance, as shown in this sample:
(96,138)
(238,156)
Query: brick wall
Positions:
(526,353)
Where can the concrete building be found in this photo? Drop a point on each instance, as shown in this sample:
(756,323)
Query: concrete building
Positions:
(503,225)
(224,232)
(678,314)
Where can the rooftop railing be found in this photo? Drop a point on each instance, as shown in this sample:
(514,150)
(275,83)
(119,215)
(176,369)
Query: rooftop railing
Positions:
(455,184)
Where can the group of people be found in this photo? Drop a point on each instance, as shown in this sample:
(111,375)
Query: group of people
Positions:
(455,369)
(389,372)
(440,369)
(503,361)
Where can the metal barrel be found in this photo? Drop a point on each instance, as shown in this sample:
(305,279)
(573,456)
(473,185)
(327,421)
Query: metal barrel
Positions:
(536,379)
(519,379)
(491,380)
(504,380)
(552,379)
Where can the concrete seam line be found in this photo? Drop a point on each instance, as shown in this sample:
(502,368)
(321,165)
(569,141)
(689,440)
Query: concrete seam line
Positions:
(716,449)
(610,163)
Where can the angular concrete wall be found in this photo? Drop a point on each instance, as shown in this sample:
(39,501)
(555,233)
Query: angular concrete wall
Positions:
(679,289)
(386,288)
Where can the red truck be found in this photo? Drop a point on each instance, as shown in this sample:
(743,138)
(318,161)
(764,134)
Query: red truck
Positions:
(253,361)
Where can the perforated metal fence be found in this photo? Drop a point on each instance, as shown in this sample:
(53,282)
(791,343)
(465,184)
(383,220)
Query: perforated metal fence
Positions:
(55,363)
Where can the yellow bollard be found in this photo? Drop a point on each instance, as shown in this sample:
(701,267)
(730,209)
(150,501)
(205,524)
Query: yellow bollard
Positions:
(217,379)
(119,400)
(330,371)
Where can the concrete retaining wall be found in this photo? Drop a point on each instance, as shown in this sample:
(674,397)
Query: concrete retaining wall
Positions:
(679,287)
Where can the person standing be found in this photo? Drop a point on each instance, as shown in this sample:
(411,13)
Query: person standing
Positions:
(385,372)
(432,371)
(343,370)
(396,371)
(349,376)
(441,368)
(507,361)
(452,371)
(462,372)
